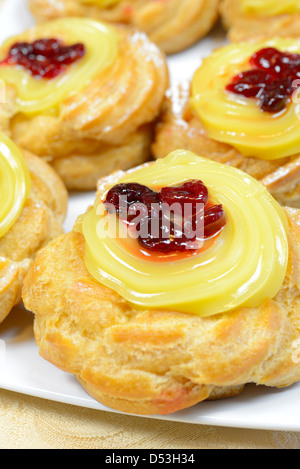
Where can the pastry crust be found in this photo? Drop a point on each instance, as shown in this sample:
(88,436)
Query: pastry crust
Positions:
(180,128)
(158,362)
(84,142)
(39,222)
(243,27)
(173,25)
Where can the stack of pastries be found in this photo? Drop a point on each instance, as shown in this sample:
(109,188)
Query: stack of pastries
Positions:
(181,282)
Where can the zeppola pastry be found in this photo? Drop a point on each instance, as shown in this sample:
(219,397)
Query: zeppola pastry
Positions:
(246,19)
(33,208)
(180,284)
(83,95)
(173,25)
(242,109)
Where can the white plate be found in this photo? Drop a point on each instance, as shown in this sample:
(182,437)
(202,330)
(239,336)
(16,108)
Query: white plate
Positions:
(23,371)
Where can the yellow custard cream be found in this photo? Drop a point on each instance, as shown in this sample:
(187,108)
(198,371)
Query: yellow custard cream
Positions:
(14,182)
(236,120)
(244,267)
(267,8)
(39,95)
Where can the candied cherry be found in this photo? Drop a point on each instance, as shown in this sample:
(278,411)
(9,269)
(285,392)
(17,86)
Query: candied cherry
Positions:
(170,239)
(270,80)
(123,198)
(169,236)
(214,220)
(44,58)
(191,192)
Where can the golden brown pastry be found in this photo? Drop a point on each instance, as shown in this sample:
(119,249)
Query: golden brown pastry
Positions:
(242,109)
(98,317)
(33,209)
(88,107)
(173,25)
(246,19)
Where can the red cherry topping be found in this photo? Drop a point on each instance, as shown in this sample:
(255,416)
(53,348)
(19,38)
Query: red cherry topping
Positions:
(44,58)
(270,80)
(192,192)
(214,220)
(124,198)
(171,236)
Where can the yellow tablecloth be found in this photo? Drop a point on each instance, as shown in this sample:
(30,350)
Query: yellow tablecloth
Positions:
(33,423)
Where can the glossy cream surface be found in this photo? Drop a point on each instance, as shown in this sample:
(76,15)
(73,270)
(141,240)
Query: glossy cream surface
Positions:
(237,120)
(244,266)
(40,95)
(15,183)
(267,8)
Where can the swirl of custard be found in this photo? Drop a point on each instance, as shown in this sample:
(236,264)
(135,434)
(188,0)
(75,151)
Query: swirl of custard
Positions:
(269,8)
(15,183)
(244,266)
(237,120)
(41,96)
